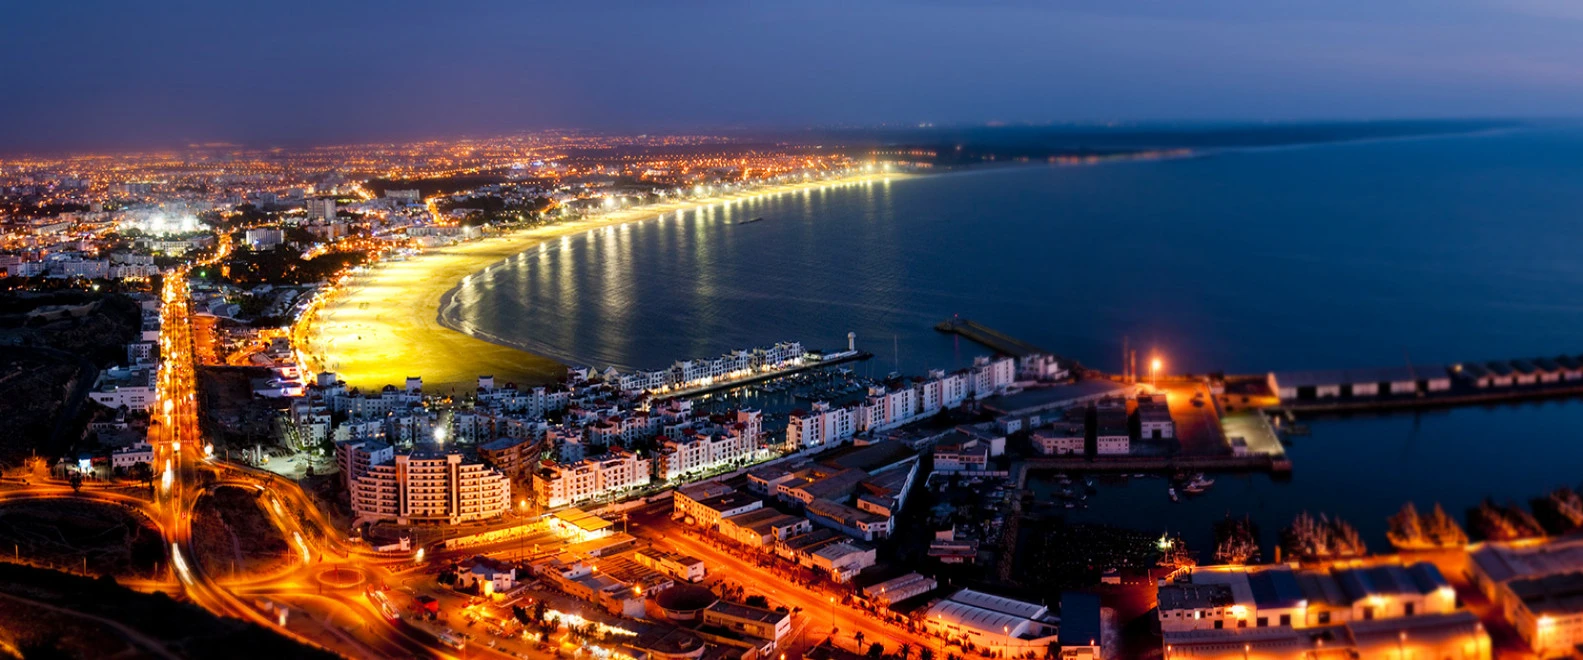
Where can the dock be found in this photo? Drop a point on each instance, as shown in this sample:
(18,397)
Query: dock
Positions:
(1166,465)
(853,356)
(990,338)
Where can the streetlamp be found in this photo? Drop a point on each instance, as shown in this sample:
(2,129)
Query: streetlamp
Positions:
(1154,372)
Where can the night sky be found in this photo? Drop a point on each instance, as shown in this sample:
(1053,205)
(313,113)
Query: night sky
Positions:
(82,74)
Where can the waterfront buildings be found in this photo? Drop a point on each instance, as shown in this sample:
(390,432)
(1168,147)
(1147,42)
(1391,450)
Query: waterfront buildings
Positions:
(1281,612)
(613,473)
(429,486)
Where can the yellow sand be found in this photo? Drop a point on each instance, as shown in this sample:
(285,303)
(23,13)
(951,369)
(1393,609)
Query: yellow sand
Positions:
(380,327)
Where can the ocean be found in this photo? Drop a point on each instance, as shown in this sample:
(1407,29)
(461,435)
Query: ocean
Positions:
(1433,250)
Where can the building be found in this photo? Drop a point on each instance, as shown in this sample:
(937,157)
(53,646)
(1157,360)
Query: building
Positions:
(133,388)
(751,621)
(1282,612)
(849,520)
(762,528)
(487,575)
(711,447)
(126,457)
(321,209)
(1538,587)
(1033,408)
(820,426)
(967,448)
(1112,435)
(710,511)
(1356,383)
(430,486)
(684,501)
(354,457)
(1238,597)
(513,457)
(899,588)
(618,471)
(681,567)
(1067,435)
(1154,417)
(843,560)
(994,623)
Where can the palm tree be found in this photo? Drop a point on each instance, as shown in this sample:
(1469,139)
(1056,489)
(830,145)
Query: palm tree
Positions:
(904,650)
(858,637)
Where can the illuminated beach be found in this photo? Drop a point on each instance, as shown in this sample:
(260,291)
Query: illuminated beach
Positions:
(382,326)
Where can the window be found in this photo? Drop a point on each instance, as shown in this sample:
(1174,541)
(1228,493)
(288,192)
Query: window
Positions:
(1324,618)
(1219,624)
(1286,619)
(1242,623)
(1368,613)
(1408,609)
(1264,622)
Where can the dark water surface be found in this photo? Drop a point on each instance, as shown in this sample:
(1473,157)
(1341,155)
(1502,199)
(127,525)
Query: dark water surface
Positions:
(1441,249)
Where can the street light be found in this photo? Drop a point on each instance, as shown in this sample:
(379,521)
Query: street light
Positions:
(1154,372)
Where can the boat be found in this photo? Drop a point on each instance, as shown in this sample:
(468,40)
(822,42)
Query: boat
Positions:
(1236,541)
(1569,505)
(1171,490)
(749,222)
(1310,538)
(1198,484)
(1410,531)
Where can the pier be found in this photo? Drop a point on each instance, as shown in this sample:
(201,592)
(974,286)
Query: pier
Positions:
(1277,464)
(843,357)
(991,338)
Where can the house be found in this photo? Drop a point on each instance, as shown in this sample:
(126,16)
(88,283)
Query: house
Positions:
(487,575)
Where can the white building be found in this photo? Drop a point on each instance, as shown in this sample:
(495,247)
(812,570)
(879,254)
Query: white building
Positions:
(430,486)
(126,457)
(616,472)
(133,388)
(822,425)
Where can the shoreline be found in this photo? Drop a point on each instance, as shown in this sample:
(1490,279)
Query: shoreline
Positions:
(390,322)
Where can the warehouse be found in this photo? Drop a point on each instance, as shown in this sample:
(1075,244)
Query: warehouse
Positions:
(1359,383)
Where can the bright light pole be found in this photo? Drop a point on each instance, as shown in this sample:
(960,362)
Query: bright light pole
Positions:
(1154,372)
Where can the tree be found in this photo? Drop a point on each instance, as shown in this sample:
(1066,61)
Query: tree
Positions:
(904,651)
(757,600)
(143,473)
(858,637)
(925,653)
(876,651)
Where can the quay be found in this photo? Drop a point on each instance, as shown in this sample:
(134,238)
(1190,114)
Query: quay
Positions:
(838,358)
(1276,463)
(1426,386)
(989,337)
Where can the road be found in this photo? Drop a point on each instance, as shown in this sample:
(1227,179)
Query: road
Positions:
(821,611)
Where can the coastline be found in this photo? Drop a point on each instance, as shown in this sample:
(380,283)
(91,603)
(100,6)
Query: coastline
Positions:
(390,323)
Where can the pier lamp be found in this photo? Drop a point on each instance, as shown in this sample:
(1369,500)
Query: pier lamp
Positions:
(1154,372)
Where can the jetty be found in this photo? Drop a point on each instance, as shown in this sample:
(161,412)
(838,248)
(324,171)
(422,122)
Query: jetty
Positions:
(837,358)
(991,338)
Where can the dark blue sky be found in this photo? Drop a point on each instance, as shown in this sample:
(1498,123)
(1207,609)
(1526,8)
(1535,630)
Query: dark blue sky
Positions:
(88,73)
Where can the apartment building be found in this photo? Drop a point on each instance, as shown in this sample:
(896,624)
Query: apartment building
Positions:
(430,486)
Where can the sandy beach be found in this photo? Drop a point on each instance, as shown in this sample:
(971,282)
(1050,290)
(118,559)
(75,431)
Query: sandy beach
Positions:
(382,326)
